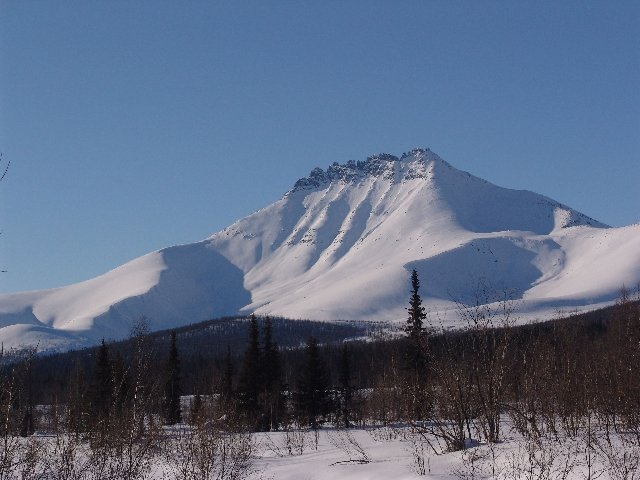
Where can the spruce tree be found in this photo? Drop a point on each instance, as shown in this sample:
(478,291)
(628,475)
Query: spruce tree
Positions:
(415,330)
(226,384)
(121,383)
(250,379)
(271,397)
(416,312)
(27,427)
(345,387)
(416,353)
(312,397)
(102,387)
(172,391)
(100,398)
(79,401)
(195,412)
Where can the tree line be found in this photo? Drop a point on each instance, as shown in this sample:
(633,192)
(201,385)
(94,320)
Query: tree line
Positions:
(470,376)
(453,388)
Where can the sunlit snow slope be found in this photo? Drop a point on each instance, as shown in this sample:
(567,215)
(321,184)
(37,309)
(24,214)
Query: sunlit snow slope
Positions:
(341,245)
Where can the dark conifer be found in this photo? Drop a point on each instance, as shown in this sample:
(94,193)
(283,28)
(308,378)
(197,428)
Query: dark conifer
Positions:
(416,353)
(27,427)
(416,312)
(172,387)
(270,356)
(79,401)
(249,384)
(271,393)
(102,385)
(121,383)
(345,387)
(226,385)
(312,398)
(416,357)
(195,412)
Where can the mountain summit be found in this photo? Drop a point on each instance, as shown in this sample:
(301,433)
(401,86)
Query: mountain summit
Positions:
(341,245)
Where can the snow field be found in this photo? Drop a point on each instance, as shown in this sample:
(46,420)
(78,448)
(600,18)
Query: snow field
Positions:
(381,453)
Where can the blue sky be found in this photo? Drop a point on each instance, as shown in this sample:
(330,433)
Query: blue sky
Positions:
(132,126)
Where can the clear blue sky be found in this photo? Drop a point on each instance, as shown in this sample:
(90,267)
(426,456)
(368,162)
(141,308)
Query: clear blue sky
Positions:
(132,126)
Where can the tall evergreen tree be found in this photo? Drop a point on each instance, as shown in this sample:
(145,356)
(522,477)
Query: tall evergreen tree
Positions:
(121,382)
(416,312)
(345,388)
(195,412)
(416,353)
(172,391)
(250,379)
(226,384)
(312,398)
(101,396)
(416,332)
(271,396)
(79,399)
(102,386)
(27,427)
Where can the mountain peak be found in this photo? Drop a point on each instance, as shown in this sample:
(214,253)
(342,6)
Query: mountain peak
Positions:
(342,247)
(424,154)
(379,165)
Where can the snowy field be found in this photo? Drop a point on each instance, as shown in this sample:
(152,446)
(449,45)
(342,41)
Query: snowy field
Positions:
(380,453)
(400,453)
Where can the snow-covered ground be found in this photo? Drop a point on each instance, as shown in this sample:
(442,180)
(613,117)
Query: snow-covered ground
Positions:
(355,454)
(382,453)
(340,246)
(388,453)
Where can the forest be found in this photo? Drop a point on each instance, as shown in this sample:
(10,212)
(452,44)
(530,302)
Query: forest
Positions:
(201,392)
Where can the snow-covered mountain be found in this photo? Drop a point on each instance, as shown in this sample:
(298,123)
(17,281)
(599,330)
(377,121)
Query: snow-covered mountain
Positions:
(341,245)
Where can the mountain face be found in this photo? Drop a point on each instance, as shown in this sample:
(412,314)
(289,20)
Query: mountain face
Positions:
(341,245)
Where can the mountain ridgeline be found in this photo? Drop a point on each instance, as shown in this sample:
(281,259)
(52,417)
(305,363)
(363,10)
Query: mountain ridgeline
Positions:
(340,245)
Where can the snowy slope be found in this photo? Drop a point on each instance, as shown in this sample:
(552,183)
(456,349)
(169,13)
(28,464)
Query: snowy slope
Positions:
(340,245)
